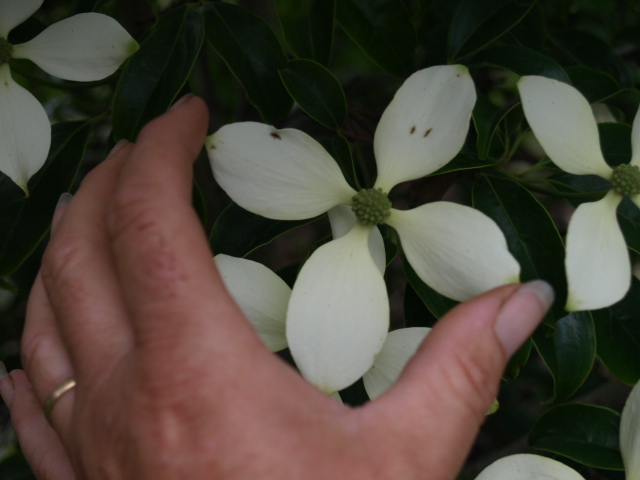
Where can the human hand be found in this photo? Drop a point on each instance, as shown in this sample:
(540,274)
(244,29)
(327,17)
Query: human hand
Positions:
(172,382)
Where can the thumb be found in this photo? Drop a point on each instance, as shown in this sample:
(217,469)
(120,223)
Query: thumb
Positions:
(442,396)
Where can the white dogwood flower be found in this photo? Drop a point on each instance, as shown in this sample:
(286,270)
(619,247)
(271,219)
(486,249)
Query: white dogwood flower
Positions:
(85,47)
(535,467)
(597,261)
(338,314)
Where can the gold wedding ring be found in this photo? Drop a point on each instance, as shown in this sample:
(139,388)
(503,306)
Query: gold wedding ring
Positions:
(58,392)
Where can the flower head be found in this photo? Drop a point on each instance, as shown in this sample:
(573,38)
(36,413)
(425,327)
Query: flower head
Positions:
(338,314)
(85,47)
(597,261)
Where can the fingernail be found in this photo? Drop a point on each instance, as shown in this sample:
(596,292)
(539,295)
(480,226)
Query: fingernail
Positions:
(182,100)
(61,206)
(521,314)
(117,147)
(6,386)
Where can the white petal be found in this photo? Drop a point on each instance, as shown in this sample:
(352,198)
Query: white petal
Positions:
(525,466)
(425,124)
(338,315)
(630,434)
(342,220)
(635,141)
(456,250)
(85,47)
(280,174)
(562,121)
(597,261)
(25,131)
(262,296)
(397,350)
(14,12)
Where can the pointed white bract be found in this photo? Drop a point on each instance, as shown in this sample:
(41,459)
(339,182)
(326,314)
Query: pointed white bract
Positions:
(528,467)
(597,262)
(279,174)
(342,219)
(261,295)
(14,12)
(635,141)
(85,47)
(425,124)
(630,434)
(399,346)
(25,131)
(338,314)
(563,123)
(456,250)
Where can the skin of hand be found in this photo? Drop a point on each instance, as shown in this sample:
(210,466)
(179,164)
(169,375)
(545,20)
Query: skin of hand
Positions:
(173,383)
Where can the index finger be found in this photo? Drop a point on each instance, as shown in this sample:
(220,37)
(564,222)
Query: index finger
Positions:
(166,268)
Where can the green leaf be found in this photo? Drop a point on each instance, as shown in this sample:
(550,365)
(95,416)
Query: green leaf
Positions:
(26,221)
(595,85)
(383,30)
(521,61)
(629,221)
(532,32)
(252,52)
(415,311)
(308,27)
(569,352)
(590,50)
(238,232)
(338,147)
(437,304)
(477,24)
(465,161)
(627,100)
(157,73)
(585,433)
(618,335)
(317,92)
(615,141)
(486,118)
(531,235)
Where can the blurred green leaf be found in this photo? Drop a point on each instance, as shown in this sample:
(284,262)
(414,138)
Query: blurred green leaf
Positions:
(415,311)
(317,92)
(383,30)
(618,335)
(252,52)
(437,304)
(595,85)
(26,221)
(308,27)
(615,141)
(338,148)
(157,73)
(590,50)
(518,360)
(520,60)
(587,434)
(627,100)
(477,24)
(238,232)
(531,32)
(569,353)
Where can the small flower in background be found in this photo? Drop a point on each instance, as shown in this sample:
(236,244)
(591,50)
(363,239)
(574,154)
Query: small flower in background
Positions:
(597,261)
(534,467)
(85,47)
(338,314)
(263,298)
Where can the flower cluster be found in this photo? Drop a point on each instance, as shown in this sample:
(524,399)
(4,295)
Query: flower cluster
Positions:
(85,47)
(338,314)
(597,260)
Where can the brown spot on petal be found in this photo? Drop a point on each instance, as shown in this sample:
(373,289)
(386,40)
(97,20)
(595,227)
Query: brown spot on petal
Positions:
(413,129)
(276,135)
(426,134)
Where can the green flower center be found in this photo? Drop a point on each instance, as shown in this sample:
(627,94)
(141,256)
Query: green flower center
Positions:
(626,179)
(371,206)
(5,50)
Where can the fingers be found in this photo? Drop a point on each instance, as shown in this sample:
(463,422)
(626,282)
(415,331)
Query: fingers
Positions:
(81,283)
(38,441)
(163,257)
(452,380)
